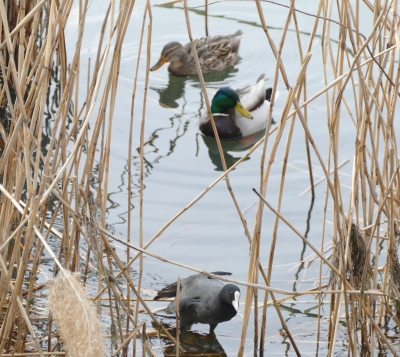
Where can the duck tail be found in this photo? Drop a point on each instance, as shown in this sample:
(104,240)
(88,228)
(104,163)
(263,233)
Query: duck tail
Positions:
(235,40)
(221,273)
(268,94)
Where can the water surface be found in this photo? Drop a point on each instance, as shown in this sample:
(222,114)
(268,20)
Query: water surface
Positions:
(180,163)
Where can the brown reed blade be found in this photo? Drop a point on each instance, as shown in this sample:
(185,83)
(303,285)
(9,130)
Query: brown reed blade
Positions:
(360,77)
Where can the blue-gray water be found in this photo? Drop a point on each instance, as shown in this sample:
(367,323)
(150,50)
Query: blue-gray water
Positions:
(179,164)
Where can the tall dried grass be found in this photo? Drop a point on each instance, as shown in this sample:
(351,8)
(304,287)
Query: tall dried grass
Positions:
(41,187)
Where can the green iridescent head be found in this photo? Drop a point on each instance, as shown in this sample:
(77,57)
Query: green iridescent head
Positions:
(227,98)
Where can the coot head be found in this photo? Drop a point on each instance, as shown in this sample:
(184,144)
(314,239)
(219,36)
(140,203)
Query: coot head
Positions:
(230,294)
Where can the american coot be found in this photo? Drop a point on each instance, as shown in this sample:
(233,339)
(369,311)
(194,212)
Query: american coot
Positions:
(215,54)
(203,300)
(251,102)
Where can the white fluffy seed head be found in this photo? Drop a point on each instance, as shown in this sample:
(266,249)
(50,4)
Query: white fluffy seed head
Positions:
(76,318)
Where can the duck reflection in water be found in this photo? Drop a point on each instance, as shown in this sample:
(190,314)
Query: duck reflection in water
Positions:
(240,118)
(175,89)
(195,344)
(242,144)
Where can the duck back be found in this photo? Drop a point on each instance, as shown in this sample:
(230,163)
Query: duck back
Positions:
(215,53)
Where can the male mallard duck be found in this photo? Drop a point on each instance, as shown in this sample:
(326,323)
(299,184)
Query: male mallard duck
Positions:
(215,54)
(230,125)
(203,300)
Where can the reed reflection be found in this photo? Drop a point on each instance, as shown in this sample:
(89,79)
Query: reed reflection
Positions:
(301,260)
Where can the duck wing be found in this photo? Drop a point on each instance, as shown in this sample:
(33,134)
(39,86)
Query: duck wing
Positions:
(167,292)
(253,95)
(215,52)
(253,98)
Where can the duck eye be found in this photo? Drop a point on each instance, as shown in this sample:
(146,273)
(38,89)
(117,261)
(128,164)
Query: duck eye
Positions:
(231,293)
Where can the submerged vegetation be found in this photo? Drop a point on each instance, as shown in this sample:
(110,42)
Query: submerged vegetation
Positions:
(55,173)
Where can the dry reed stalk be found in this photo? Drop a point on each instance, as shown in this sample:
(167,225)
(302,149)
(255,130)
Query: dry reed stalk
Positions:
(130,148)
(120,28)
(195,200)
(107,276)
(364,307)
(183,210)
(144,251)
(27,162)
(255,243)
(322,179)
(148,13)
(370,201)
(206,17)
(297,108)
(60,148)
(209,113)
(308,50)
(129,338)
(177,299)
(131,285)
(375,176)
(22,310)
(76,318)
(162,229)
(33,354)
(296,90)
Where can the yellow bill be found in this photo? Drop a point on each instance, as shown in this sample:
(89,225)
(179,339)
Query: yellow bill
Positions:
(239,108)
(160,62)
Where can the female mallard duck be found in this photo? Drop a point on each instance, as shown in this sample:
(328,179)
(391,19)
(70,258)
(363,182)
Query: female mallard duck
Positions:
(215,54)
(230,125)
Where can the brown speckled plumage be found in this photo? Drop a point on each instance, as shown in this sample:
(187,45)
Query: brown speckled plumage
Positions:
(215,54)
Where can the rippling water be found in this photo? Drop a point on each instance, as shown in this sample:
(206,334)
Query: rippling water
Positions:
(180,163)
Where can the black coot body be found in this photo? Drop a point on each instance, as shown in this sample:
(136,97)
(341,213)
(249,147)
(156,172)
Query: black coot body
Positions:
(203,300)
